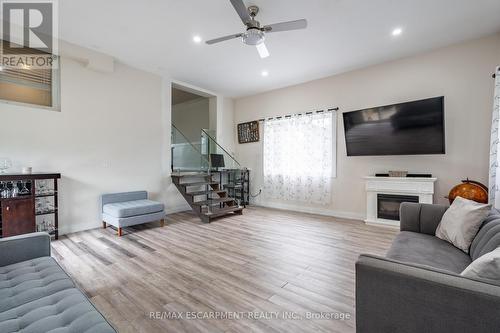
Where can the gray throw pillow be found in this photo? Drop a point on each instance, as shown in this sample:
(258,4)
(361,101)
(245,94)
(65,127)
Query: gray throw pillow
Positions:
(461,222)
(486,267)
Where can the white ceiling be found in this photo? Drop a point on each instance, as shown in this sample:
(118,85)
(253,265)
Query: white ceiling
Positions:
(342,35)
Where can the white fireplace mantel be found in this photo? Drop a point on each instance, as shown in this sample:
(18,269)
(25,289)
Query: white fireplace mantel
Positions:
(416,186)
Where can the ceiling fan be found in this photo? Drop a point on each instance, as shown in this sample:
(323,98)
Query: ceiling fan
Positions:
(255,34)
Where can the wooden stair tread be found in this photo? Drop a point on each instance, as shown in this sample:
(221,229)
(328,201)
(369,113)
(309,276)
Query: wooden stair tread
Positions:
(214,201)
(198,183)
(201,208)
(205,192)
(223,211)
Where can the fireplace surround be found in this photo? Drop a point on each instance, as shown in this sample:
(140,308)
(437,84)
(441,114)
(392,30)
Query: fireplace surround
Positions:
(385,194)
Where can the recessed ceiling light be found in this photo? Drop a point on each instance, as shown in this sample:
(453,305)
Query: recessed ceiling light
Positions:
(197,39)
(264,73)
(1,68)
(397,31)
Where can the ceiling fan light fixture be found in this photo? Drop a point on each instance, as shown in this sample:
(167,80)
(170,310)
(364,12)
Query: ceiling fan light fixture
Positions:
(262,49)
(253,37)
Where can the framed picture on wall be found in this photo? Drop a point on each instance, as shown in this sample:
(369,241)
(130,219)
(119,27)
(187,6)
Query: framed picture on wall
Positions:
(248,132)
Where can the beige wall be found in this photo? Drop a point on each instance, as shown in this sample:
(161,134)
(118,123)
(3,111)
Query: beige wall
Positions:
(462,73)
(225,132)
(191,116)
(108,137)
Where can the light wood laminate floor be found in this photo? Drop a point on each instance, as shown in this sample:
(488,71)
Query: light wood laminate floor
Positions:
(261,266)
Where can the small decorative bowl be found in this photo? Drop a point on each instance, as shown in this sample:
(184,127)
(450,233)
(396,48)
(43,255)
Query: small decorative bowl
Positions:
(398,173)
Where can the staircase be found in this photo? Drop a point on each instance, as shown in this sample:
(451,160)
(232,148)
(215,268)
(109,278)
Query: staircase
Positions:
(205,196)
(192,175)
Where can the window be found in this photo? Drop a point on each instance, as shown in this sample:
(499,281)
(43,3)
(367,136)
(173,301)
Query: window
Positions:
(299,154)
(30,85)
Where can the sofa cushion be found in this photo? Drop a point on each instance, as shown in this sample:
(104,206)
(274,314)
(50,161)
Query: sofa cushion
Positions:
(123,222)
(488,237)
(461,222)
(37,296)
(428,250)
(132,208)
(486,268)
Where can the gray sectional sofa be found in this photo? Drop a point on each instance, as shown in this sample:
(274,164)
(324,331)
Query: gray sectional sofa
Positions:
(36,295)
(417,286)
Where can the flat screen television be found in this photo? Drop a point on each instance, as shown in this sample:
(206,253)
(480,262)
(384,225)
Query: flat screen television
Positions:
(410,128)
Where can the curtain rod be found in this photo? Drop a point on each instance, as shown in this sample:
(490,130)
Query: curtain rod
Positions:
(299,114)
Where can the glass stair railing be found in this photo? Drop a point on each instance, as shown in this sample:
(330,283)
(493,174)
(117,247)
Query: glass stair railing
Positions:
(186,156)
(203,156)
(218,157)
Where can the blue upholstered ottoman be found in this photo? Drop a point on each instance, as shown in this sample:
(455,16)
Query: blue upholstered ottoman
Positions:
(130,208)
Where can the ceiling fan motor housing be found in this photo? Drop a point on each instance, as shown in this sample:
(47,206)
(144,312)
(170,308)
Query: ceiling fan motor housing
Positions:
(253,10)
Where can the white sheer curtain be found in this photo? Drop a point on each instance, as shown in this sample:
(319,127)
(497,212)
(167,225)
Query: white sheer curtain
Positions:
(298,157)
(494,195)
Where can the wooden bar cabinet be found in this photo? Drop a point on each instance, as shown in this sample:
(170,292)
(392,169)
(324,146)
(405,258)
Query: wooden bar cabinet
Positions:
(29,203)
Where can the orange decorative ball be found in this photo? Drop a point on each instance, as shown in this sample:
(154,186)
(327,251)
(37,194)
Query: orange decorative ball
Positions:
(471,190)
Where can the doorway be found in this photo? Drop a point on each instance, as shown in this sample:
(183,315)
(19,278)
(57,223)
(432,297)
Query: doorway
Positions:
(194,118)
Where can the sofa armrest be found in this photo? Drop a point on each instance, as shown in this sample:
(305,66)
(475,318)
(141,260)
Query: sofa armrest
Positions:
(393,296)
(421,218)
(24,247)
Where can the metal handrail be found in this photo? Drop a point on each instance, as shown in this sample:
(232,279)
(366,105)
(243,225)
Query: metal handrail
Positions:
(231,156)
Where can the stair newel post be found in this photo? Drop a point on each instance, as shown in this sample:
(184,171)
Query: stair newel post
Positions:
(209,172)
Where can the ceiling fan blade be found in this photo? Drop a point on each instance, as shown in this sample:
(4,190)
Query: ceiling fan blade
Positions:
(242,11)
(285,26)
(221,39)
(262,49)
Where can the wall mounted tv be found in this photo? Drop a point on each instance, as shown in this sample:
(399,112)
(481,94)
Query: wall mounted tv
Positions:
(411,128)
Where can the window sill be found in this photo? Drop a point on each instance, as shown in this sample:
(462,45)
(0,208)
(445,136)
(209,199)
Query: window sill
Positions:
(31,106)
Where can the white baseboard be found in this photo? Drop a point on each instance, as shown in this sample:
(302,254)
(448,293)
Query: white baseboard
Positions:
(313,210)
(185,207)
(177,209)
(68,229)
